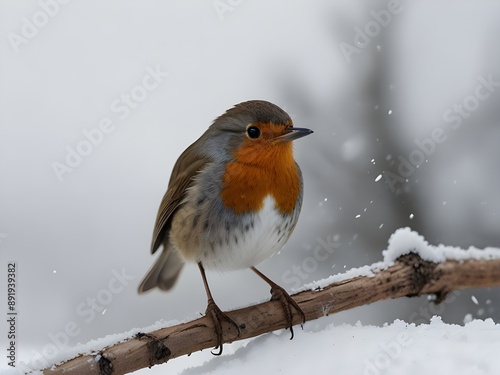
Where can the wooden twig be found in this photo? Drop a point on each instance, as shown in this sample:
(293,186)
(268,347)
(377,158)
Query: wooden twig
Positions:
(409,276)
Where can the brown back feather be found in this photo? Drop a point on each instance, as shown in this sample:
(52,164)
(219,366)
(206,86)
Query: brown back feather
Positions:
(186,168)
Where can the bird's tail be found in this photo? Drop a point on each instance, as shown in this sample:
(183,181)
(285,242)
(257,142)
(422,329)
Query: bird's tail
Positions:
(164,272)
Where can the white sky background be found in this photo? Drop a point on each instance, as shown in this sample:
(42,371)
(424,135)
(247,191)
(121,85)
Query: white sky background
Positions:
(67,237)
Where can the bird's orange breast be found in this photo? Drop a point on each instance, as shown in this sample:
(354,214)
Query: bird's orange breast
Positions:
(260,169)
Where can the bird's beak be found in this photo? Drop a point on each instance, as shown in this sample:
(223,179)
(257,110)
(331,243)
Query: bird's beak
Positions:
(294,133)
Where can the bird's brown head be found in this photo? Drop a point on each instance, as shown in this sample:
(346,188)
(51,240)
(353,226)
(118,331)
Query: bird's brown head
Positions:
(258,142)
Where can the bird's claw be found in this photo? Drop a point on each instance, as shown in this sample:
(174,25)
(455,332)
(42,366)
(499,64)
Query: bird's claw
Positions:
(217,317)
(279,294)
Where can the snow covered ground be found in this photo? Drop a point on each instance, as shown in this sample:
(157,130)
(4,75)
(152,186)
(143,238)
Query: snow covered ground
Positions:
(325,348)
(99,98)
(397,348)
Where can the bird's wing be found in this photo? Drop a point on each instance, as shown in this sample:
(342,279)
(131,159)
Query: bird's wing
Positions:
(188,165)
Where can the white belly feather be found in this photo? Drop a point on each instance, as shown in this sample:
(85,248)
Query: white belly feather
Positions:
(267,236)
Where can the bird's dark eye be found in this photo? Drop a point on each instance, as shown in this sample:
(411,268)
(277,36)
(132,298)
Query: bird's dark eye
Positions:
(253,132)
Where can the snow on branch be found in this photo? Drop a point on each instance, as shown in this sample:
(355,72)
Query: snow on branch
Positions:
(411,267)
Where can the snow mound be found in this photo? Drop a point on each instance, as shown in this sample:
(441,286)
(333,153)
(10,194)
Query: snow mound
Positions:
(398,348)
(324,348)
(405,241)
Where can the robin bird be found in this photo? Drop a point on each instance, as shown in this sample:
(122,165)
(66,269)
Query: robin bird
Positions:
(233,200)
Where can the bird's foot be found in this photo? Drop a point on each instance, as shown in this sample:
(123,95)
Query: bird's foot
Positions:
(217,316)
(287,302)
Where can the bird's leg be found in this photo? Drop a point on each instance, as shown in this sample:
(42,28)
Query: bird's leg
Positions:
(215,313)
(280,294)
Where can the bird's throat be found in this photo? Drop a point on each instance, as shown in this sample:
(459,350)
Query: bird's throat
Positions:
(258,172)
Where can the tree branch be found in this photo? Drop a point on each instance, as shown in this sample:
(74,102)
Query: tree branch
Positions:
(409,276)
